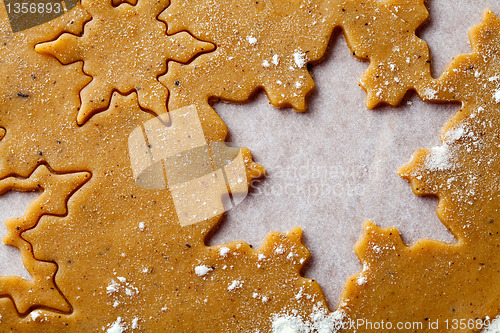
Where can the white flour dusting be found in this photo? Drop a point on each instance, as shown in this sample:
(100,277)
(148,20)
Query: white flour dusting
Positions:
(116,327)
(318,322)
(276,60)
(440,158)
(120,325)
(497,96)
(121,290)
(224,251)
(361,280)
(235,285)
(455,134)
(300,59)
(35,315)
(429,93)
(202,270)
(289,324)
(252,40)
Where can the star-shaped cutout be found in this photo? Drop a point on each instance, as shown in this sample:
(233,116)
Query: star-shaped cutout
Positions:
(124,49)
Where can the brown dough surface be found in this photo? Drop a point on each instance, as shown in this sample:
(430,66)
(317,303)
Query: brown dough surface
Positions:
(98,242)
(432,281)
(125,49)
(380,31)
(66,135)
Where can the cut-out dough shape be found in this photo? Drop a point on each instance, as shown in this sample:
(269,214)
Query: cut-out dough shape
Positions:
(123,48)
(272,51)
(440,281)
(383,32)
(260,44)
(40,291)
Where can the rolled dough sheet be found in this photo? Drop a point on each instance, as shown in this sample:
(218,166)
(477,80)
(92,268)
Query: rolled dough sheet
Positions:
(354,152)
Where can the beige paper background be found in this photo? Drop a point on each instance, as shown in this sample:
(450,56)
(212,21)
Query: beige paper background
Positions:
(354,150)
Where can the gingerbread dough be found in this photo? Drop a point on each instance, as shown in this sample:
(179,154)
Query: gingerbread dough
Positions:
(445,287)
(113,256)
(133,48)
(123,260)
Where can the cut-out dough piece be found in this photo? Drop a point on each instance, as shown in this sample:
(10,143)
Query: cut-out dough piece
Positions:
(260,44)
(123,48)
(446,283)
(383,32)
(249,56)
(40,291)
